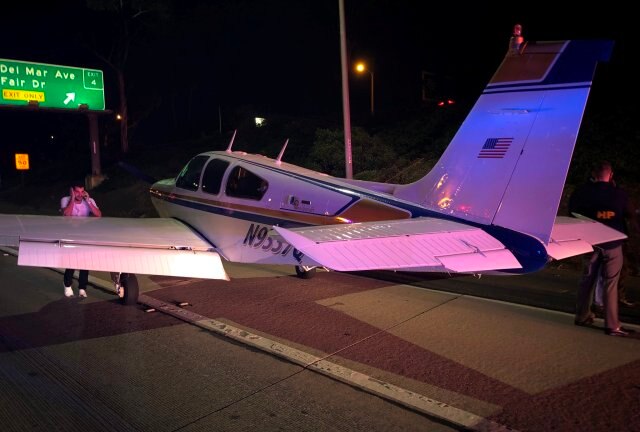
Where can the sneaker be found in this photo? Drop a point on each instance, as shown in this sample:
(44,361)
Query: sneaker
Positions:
(82,293)
(615,332)
(68,292)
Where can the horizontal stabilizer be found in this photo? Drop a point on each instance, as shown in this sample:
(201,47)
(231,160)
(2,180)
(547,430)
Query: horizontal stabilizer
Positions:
(402,244)
(576,236)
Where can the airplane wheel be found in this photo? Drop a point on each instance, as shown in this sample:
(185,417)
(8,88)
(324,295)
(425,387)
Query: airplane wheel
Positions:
(305,272)
(128,289)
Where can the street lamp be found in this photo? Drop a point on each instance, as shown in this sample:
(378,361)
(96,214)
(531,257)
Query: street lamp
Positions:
(361,67)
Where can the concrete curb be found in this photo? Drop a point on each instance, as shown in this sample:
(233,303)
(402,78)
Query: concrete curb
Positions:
(386,390)
(414,401)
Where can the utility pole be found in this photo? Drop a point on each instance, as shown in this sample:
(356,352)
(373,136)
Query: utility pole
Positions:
(345,94)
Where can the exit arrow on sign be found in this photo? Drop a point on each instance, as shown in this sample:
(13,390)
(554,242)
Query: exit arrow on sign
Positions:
(70,98)
(51,86)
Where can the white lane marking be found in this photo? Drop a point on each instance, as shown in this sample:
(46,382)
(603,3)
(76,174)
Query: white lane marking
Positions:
(409,399)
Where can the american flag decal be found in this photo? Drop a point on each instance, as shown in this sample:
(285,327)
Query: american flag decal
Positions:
(495,148)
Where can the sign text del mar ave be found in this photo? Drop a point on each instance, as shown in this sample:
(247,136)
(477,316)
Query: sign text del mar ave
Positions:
(50,86)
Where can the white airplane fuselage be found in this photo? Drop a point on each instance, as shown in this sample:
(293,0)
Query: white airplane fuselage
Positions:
(294,197)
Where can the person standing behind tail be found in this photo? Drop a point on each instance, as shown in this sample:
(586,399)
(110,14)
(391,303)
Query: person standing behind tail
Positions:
(601,200)
(78,203)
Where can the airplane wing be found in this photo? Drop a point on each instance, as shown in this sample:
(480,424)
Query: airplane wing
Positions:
(159,246)
(427,244)
(575,236)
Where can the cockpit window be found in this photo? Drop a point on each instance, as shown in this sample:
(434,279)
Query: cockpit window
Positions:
(189,177)
(242,183)
(212,177)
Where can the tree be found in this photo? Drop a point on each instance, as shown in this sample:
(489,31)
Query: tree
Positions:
(370,153)
(123,23)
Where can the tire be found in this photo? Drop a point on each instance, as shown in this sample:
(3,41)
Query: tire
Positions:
(305,272)
(129,283)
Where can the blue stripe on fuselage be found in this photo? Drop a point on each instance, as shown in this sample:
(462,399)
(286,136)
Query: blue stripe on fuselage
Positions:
(414,210)
(234,213)
(530,252)
(354,195)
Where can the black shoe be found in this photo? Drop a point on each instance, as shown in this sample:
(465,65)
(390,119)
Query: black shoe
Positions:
(587,322)
(616,332)
(627,330)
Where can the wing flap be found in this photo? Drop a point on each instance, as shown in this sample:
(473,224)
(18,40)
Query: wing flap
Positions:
(159,246)
(163,233)
(576,236)
(164,262)
(403,244)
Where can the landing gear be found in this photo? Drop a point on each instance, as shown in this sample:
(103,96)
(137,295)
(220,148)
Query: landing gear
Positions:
(126,287)
(305,272)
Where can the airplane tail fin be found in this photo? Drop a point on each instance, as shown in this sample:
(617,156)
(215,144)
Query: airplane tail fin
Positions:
(508,162)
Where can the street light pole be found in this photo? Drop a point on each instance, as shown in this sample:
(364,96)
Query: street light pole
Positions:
(372,105)
(360,68)
(345,94)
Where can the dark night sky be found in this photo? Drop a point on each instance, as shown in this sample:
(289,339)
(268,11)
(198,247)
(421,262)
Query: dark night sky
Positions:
(282,56)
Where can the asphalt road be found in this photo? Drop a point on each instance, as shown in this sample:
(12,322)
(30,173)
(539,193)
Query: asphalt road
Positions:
(95,365)
(268,351)
(553,288)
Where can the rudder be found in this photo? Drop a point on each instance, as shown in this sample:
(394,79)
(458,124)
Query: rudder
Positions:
(508,162)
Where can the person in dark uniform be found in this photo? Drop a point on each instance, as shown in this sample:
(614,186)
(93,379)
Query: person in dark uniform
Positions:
(601,200)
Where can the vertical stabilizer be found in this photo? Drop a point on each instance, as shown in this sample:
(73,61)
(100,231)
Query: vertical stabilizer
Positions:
(508,162)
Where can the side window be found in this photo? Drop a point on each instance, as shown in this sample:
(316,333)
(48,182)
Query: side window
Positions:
(212,177)
(245,184)
(189,177)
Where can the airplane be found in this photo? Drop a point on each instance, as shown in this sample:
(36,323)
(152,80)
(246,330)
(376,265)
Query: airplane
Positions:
(489,205)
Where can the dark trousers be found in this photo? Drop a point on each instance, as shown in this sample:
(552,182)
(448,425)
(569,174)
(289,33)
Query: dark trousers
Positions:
(609,262)
(83,278)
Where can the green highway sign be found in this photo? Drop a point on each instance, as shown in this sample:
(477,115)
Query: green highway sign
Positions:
(50,86)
